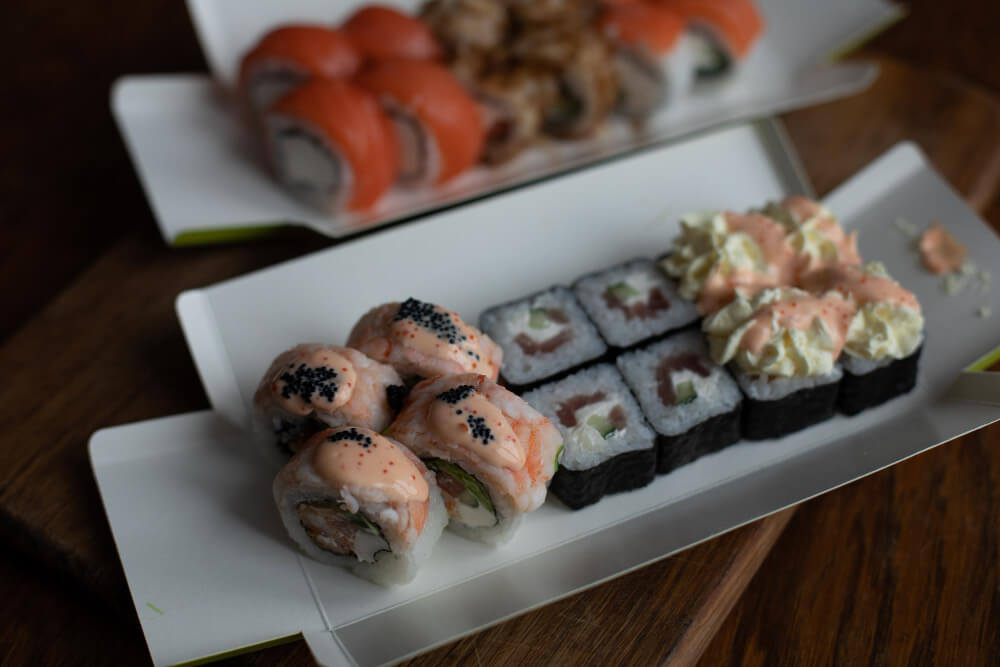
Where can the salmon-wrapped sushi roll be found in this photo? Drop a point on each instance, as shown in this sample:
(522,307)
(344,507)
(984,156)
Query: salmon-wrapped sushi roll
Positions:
(314,386)
(290,55)
(356,499)
(332,145)
(727,30)
(424,340)
(493,453)
(438,125)
(384,33)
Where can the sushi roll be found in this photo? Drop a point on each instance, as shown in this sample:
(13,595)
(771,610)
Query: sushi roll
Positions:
(725,30)
(438,126)
(542,335)
(607,445)
(289,56)
(315,386)
(423,340)
(814,234)
(513,105)
(692,403)
(384,33)
(884,339)
(466,27)
(720,252)
(783,346)
(493,453)
(632,302)
(654,59)
(332,145)
(358,500)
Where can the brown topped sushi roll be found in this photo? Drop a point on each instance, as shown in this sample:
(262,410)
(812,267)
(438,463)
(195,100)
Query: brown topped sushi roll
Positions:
(289,56)
(493,453)
(356,499)
(423,340)
(315,386)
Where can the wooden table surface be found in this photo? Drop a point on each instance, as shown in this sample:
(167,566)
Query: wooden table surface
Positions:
(903,566)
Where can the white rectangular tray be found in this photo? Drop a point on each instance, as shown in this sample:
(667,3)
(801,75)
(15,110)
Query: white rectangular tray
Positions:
(189,503)
(206,179)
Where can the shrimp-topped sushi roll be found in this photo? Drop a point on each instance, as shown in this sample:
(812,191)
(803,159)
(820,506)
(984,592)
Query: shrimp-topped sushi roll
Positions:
(726,31)
(885,336)
(607,445)
(632,302)
(691,402)
(814,234)
(359,500)
(385,33)
(332,145)
(783,345)
(423,340)
(438,126)
(719,252)
(654,59)
(289,56)
(542,335)
(493,453)
(314,386)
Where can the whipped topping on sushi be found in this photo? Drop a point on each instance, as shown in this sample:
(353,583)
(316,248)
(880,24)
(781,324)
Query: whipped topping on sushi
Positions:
(781,332)
(815,234)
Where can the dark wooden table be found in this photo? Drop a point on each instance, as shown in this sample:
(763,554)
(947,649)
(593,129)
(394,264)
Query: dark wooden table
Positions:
(903,566)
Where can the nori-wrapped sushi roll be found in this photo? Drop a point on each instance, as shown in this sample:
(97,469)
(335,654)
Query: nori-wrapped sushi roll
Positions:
(691,402)
(776,406)
(542,336)
(608,446)
(867,384)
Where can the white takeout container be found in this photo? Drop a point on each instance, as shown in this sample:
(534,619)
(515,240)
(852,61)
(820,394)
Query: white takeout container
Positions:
(207,181)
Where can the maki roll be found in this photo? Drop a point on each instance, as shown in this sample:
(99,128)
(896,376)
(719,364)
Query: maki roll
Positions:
(423,340)
(384,33)
(783,345)
(314,386)
(493,453)
(654,59)
(692,403)
(438,125)
(513,104)
(356,499)
(332,145)
(607,445)
(725,30)
(542,335)
(289,56)
(884,339)
(632,302)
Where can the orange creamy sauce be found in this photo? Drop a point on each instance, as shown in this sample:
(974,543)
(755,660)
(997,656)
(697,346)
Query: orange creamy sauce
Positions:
(466,418)
(941,252)
(358,456)
(437,333)
(798,312)
(864,288)
(321,380)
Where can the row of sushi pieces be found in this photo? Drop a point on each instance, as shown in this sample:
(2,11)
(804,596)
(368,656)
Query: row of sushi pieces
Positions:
(793,329)
(386,98)
(386,441)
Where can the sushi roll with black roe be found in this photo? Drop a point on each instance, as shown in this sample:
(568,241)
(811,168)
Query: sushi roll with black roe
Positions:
(493,454)
(633,302)
(356,499)
(542,335)
(607,445)
(783,345)
(692,403)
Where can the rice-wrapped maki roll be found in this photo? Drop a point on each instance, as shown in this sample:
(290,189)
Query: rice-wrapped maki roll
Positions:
(654,59)
(315,386)
(632,302)
(289,56)
(783,346)
(356,499)
(542,335)
(332,145)
(718,252)
(725,30)
(423,340)
(607,445)
(691,402)
(884,339)
(494,454)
